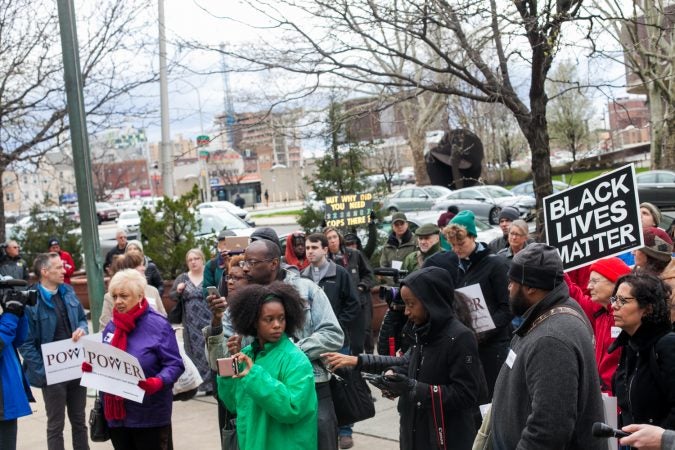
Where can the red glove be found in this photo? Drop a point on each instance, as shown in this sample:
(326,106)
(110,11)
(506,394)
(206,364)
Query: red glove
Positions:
(151,385)
(86,367)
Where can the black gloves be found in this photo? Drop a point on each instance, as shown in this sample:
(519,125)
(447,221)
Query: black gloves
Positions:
(398,384)
(14,307)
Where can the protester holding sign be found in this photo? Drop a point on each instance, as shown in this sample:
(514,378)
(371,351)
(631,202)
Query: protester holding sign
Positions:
(600,313)
(644,382)
(140,331)
(472,262)
(58,315)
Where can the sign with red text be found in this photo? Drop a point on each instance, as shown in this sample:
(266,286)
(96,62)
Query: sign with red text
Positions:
(62,360)
(480,315)
(596,219)
(113,371)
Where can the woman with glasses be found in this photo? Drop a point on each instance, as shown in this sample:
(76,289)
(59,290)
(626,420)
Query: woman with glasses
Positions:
(596,305)
(518,239)
(644,382)
(196,315)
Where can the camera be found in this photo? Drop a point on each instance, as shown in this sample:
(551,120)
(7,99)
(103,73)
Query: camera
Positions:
(8,293)
(392,296)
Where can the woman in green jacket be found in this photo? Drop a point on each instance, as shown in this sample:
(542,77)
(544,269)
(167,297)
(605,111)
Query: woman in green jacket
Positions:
(273,394)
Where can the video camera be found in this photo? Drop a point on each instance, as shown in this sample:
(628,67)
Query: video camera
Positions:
(391,294)
(7,292)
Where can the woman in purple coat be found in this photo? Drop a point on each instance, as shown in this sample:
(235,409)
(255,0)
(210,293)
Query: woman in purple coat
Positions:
(140,331)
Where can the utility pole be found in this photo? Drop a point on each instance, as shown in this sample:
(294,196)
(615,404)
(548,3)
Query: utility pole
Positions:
(81,158)
(166,158)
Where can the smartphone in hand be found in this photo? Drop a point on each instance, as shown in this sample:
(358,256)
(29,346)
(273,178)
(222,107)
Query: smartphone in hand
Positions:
(212,290)
(227,367)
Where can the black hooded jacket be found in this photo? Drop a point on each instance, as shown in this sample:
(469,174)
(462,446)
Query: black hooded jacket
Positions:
(644,382)
(444,361)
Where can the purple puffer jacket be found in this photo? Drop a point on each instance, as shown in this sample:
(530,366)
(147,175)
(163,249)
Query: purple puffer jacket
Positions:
(153,342)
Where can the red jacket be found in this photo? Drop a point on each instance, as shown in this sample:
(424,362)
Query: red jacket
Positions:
(602,321)
(68,264)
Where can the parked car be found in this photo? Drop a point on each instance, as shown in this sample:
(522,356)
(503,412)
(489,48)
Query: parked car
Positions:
(405,176)
(223,204)
(416,198)
(657,187)
(129,221)
(214,220)
(527,188)
(105,212)
(486,202)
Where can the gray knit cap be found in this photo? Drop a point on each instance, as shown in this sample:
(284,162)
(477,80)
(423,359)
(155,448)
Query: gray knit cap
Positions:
(538,266)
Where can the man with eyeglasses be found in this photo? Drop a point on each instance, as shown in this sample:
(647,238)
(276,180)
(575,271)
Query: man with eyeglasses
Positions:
(321,332)
(13,265)
(547,393)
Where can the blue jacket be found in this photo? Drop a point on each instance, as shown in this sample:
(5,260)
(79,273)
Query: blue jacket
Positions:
(41,328)
(153,342)
(14,390)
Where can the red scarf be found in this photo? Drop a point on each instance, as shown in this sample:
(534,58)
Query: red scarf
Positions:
(113,405)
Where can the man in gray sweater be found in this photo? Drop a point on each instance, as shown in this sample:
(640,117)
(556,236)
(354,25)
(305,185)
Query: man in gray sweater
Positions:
(547,394)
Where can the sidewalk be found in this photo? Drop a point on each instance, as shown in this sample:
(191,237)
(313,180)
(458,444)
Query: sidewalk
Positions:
(195,426)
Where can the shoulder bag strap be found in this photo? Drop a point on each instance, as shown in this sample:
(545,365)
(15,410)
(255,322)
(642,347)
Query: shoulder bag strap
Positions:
(437,413)
(553,312)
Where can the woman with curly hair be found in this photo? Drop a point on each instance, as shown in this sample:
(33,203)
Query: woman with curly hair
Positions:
(274,395)
(644,382)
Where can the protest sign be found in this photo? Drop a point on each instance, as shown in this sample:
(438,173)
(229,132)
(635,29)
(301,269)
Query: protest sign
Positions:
(595,219)
(113,371)
(480,315)
(62,360)
(348,210)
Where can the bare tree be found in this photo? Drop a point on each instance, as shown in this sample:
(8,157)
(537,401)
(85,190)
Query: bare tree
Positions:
(646,31)
(464,48)
(570,109)
(33,113)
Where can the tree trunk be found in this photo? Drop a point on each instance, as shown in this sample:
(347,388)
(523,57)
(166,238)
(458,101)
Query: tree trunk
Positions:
(417,142)
(536,133)
(668,147)
(659,128)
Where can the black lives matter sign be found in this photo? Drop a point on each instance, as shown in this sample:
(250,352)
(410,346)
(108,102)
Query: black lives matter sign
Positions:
(348,210)
(596,219)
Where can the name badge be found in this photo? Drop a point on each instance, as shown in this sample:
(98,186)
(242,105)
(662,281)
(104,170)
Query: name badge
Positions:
(396,265)
(615,332)
(511,358)
(108,337)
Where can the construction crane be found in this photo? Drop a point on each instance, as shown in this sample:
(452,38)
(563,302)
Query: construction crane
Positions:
(227,99)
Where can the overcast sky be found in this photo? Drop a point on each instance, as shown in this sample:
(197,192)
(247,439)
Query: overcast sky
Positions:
(188,19)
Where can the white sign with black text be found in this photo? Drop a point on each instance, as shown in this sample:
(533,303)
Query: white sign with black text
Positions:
(113,371)
(480,315)
(62,360)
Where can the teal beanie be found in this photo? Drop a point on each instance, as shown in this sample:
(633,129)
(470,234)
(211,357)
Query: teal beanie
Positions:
(467,220)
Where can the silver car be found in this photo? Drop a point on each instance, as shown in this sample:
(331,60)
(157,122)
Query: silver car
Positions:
(416,198)
(486,202)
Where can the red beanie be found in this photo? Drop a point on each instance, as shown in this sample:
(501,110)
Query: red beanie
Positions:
(610,268)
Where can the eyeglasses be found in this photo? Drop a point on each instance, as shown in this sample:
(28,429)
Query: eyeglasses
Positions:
(621,301)
(516,234)
(253,262)
(234,278)
(594,281)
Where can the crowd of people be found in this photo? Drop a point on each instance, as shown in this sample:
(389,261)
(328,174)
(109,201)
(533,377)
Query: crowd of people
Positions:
(532,374)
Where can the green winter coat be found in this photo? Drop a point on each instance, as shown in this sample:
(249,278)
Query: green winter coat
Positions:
(276,401)
(411,262)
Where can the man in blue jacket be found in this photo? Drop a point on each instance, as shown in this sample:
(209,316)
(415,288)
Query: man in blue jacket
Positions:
(14,390)
(58,315)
